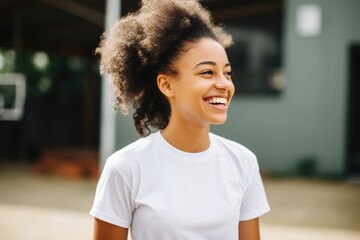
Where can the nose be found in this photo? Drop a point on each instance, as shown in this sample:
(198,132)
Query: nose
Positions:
(223,83)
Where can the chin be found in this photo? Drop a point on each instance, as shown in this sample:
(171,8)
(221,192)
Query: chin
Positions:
(219,121)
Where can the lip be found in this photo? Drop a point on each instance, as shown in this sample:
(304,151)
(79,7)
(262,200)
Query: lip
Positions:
(218,107)
(216,96)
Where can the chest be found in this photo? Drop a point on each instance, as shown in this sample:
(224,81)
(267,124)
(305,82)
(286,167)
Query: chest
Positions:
(195,197)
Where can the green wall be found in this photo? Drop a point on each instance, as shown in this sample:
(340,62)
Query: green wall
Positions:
(308,120)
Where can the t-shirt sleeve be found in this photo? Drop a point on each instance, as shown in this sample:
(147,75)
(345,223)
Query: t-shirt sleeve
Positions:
(113,202)
(254,203)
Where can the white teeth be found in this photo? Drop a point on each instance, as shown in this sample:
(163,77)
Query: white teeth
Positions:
(217,100)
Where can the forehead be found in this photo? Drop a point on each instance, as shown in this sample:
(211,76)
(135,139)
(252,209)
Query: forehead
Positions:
(206,49)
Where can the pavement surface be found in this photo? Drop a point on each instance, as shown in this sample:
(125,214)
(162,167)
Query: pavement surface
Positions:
(43,207)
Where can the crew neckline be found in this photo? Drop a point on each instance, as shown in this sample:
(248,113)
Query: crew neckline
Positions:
(184,155)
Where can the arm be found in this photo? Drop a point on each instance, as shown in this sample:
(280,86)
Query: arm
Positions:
(107,231)
(249,230)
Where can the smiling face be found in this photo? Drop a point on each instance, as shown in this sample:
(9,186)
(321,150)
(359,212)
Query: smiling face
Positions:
(201,91)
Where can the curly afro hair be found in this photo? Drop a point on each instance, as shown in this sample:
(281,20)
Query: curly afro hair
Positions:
(146,43)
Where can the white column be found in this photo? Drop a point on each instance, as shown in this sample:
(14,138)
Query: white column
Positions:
(108,116)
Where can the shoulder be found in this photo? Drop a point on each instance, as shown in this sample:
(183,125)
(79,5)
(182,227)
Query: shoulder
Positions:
(131,155)
(238,157)
(232,147)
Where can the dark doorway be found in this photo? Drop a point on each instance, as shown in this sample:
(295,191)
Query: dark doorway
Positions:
(59,128)
(353,149)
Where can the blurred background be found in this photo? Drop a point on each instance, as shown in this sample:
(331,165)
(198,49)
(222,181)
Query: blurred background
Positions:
(296,69)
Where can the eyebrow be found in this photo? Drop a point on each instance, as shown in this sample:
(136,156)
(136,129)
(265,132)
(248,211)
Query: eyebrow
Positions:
(209,63)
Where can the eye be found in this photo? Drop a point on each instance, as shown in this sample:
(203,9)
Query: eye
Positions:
(228,74)
(207,72)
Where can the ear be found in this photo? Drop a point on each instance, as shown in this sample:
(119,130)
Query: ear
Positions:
(165,84)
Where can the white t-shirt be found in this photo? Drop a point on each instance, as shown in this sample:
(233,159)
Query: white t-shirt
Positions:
(163,193)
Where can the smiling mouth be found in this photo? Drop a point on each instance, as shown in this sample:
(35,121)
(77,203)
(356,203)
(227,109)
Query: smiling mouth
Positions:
(217,101)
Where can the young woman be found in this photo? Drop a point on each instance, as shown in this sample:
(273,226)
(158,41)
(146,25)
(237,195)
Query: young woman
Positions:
(168,62)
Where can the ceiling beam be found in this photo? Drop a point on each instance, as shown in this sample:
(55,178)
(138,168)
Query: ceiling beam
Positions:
(78,10)
(246,10)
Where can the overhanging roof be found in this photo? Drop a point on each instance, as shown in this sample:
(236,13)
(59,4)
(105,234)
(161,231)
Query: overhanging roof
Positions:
(73,27)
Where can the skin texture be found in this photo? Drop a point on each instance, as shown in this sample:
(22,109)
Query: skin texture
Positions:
(249,230)
(203,73)
(107,231)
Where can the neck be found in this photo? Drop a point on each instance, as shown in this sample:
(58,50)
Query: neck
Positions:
(188,138)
